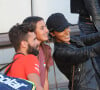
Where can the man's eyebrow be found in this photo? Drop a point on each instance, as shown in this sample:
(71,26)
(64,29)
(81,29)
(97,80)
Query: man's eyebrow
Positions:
(35,38)
(43,26)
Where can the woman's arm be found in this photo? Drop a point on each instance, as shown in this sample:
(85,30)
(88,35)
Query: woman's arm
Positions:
(90,38)
(46,84)
(74,55)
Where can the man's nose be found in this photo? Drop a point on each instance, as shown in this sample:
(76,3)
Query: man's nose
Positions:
(46,30)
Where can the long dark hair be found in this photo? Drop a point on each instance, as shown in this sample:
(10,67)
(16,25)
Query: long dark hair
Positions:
(34,20)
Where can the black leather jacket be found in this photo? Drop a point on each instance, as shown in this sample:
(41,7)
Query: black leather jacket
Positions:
(76,53)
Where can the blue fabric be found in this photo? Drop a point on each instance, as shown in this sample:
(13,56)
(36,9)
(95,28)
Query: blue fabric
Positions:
(10,83)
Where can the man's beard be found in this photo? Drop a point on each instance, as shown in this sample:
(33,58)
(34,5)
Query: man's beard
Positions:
(32,50)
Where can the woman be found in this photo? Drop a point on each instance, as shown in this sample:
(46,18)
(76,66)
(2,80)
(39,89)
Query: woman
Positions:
(71,53)
(44,56)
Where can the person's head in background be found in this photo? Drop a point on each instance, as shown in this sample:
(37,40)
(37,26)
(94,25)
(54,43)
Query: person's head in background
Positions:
(23,38)
(59,27)
(39,26)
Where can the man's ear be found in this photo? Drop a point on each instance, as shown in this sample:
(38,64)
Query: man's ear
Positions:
(24,44)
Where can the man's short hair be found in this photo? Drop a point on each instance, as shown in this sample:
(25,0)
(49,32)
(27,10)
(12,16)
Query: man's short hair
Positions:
(18,33)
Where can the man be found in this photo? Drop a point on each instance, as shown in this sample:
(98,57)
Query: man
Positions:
(26,64)
(71,53)
(44,56)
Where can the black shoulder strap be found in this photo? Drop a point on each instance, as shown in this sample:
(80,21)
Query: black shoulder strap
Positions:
(4,66)
(9,64)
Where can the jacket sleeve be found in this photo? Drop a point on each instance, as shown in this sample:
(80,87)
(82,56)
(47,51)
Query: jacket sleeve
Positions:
(76,55)
(90,38)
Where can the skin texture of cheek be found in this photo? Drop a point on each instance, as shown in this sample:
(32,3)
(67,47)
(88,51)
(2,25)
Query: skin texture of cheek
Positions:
(42,37)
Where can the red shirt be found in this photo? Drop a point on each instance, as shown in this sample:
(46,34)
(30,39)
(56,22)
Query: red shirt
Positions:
(24,65)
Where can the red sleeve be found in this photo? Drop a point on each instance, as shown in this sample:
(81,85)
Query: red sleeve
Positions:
(31,65)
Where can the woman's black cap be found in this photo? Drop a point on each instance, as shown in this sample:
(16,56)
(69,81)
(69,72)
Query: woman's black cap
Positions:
(57,22)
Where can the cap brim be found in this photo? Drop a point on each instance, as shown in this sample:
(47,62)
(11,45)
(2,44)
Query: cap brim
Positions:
(60,29)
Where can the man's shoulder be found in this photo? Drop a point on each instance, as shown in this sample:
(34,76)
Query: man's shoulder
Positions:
(30,56)
(30,59)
